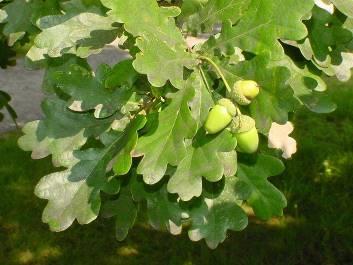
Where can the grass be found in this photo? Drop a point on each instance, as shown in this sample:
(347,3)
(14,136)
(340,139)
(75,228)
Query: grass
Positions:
(317,227)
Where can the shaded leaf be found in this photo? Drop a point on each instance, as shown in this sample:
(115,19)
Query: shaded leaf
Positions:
(212,218)
(266,200)
(124,210)
(93,162)
(60,122)
(88,91)
(163,210)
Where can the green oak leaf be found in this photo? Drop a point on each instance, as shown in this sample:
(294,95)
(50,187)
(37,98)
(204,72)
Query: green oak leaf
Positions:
(122,74)
(311,95)
(326,44)
(163,210)
(153,21)
(165,145)
(230,162)
(265,199)
(201,160)
(61,149)
(212,218)
(124,209)
(261,27)
(30,11)
(122,162)
(202,101)
(81,6)
(93,162)
(60,122)
(190,7)
(163,48)
(61,64)
(157,57)
(216,11)
(88,90)
(5,98)
(67,200)
(82,34)
(325,31)
(74,193)
(16,28)
(112,185)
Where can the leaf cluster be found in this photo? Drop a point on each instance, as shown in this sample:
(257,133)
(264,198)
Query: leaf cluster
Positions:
(132,134)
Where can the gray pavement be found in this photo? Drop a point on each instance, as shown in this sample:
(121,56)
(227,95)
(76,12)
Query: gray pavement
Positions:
(24,86)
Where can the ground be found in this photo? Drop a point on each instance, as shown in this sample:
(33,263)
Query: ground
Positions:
(316,227)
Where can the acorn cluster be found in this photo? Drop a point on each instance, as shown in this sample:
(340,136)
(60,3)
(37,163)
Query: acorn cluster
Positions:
(226,115)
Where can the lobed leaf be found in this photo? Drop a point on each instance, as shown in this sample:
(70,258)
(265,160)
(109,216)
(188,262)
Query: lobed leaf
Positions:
(163,210)
(326,44)
(202,159)
(61,149)
(75,192)
(106,91)
(68,200)
(212,218)
(163,48)
(124,209)
(209,13)
(261,27)
(265,199)
(82,34)
(165,145)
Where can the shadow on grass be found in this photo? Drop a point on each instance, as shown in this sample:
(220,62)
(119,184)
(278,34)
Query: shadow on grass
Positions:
(317,227)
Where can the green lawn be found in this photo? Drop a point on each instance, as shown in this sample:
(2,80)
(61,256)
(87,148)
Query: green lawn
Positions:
(317,227)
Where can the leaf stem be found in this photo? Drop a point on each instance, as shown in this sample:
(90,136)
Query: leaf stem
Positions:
(219,71)
(204,79)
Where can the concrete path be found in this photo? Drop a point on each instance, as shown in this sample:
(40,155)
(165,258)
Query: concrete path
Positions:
(24,86)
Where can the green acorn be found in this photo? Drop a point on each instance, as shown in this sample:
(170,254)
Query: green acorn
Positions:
(244,91)
(248,142)
(245,132)
(220,116)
